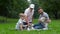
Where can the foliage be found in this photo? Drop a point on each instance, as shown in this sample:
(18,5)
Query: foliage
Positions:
(11,8)
(52,7)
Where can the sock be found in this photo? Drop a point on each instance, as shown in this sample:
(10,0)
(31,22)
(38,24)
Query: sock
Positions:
(46,25)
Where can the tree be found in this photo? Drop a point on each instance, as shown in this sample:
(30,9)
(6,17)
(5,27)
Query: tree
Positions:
(52,7)
(11,8)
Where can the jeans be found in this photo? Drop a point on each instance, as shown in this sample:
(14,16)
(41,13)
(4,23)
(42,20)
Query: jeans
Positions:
(39,26)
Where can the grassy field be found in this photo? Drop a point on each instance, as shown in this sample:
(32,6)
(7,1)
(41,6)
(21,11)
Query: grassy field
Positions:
(5,28)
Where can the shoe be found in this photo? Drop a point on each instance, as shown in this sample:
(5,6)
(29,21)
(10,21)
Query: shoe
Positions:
(45,28)
(28,29)
(32,28)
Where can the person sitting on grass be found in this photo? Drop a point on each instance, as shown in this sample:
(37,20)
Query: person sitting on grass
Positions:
(43,20)
(19,25)
(40,24)
(47,19)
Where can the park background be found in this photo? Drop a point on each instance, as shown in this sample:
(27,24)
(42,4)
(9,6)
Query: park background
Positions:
(9,10)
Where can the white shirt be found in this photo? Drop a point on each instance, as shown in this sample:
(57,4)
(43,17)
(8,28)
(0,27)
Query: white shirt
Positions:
(20,21)
(29,14)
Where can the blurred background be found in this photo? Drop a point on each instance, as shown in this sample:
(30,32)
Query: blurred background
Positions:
(11,8)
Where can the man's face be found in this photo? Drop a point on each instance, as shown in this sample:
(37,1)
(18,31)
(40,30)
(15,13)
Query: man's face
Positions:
(40,11)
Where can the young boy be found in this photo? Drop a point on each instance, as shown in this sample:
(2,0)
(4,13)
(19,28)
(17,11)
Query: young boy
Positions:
(19,25)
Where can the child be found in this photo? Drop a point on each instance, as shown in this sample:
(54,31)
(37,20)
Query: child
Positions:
(19,25)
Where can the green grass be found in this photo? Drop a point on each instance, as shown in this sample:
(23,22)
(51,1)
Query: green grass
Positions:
(5,28)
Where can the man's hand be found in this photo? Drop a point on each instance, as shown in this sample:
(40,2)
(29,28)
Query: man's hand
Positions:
(48,21)
(39,20)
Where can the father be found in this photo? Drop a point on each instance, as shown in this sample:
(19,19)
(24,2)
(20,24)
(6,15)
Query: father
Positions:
(44,14)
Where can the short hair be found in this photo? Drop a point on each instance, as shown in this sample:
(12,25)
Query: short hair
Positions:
(21,14)
(39,8)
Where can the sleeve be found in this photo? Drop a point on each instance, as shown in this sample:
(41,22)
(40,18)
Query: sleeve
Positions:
(20,21)
(46,15)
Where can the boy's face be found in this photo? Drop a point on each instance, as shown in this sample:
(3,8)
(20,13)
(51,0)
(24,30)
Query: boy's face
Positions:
(22,17)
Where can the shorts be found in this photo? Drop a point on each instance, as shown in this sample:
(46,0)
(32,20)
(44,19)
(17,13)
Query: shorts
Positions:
(18,25)
(24,23)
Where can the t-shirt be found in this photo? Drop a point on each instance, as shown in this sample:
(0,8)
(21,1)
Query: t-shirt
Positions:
(44,15)
(42,19)
(29,14)
(20,21)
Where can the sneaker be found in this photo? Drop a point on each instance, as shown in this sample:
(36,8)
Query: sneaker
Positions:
(32,28)
(28,29)
(45,28)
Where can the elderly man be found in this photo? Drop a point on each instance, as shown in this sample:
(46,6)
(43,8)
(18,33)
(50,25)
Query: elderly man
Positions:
(29,15)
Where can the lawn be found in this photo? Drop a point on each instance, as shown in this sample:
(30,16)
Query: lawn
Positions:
(8,28)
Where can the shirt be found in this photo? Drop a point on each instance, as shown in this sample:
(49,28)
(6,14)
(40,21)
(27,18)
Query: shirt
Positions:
(20,21)
(44,15)
(29,14)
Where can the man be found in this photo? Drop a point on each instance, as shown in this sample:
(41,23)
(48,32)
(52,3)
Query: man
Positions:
(40,24)
(44,14)
(29,15)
